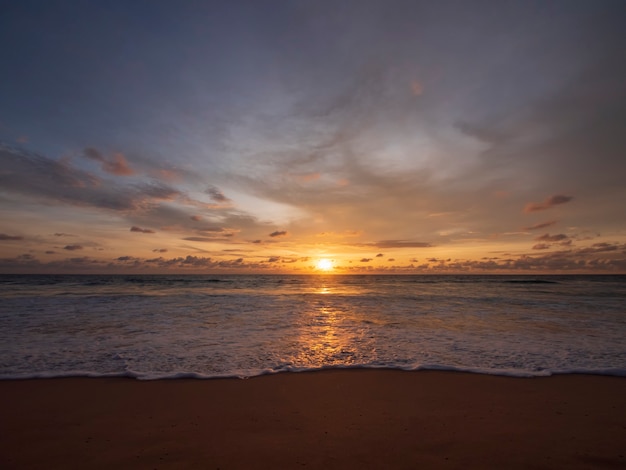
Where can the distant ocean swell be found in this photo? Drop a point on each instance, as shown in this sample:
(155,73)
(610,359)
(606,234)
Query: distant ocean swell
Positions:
(158,327)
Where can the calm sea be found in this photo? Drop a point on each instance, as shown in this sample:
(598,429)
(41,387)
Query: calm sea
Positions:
(152,327)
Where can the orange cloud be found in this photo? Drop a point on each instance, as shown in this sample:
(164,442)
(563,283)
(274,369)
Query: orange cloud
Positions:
(116,165)
(548,203)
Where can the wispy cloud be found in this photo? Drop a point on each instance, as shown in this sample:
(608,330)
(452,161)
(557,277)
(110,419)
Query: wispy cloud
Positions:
(399,244)
(547,204)
(540,225)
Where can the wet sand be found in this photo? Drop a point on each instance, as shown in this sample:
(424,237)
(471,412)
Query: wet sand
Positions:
(337,419)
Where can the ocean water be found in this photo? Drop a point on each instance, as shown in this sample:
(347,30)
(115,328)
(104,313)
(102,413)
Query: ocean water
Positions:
(152,327)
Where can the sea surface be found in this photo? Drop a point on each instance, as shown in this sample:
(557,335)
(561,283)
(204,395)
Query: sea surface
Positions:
(153,327)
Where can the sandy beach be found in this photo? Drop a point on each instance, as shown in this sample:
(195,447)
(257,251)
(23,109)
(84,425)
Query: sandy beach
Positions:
(329,419)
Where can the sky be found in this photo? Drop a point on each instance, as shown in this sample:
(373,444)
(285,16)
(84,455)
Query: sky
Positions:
(371,136)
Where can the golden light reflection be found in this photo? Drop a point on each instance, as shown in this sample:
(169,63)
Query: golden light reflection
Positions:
(325,343)
(324,339)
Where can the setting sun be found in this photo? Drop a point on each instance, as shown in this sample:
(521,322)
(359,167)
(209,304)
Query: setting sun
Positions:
(324,265)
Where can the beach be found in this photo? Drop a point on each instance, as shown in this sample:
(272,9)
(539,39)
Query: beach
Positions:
(326,419)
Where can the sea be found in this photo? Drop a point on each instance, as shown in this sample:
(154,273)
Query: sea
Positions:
(204,326)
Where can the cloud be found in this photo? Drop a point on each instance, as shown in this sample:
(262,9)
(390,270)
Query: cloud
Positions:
(379,255)
(160,250)
(391,259)
(552,238)
(281,233)
(33,175)
(216,194)
(134,228)
(273,259)
(365,260)
(541,246)
(73,247)
(158,190)
(4,236)
(541,225)
(547,204)
(115,165)
(399,244)
(200,239)
(196,218)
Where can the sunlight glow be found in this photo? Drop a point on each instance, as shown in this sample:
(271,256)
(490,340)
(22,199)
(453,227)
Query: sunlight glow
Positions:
(324,265)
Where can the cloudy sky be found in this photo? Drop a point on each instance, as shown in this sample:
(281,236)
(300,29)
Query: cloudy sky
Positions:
(247,136)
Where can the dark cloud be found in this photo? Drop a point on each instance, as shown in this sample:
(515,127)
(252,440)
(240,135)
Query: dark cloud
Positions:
(601,248)
(49,180)
(273,259)
(160,250)
(552,238)
(200,239)
(399,244)
(4,236)
(196,218)
(379,255)
(365,260)
(216,194)
(73,247)
(59,234)
(547,204)
(391,260)
(281,233)
(134,228)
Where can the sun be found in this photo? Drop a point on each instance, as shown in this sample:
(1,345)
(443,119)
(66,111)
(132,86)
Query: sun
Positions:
(324,265)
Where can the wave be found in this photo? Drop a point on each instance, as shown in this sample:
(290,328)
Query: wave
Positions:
(149,376)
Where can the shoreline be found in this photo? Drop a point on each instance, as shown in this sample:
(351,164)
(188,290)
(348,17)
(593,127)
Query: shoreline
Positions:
(334,418)
(147,377)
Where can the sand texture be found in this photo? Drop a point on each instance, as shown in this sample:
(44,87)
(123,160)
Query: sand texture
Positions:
(338,419)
